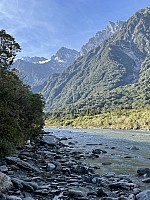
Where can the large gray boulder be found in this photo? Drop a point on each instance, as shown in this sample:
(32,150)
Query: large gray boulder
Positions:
(22,164)
(5,182)
(145,195)
(50,140)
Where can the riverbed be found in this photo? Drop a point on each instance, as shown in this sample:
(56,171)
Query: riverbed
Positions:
(126,151)
(87,164)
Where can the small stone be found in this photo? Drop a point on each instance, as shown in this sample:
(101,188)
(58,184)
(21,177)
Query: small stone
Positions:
(33,184)
(81,169)
(64,138)
(27,187)
(3,168)
(98,151)
(147,180)
(136,191)
(101,193)
(41,191)
(131,197)
(13,198)
(106,163)
(110,175)
(127,156)
(113,147)
(75,193)
(17,183)
(50,167)
(50,140)
(143,171)
(134,148)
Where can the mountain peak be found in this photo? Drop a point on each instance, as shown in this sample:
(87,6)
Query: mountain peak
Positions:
(113,27)
(101,36)
(34,59)
(64,54)
(37,69)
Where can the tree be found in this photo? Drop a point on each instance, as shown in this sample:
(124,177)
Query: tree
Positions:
(21,111)
(8,49)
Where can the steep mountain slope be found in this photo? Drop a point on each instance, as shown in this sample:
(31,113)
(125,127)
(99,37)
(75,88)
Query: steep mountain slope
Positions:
(108,75)
(101,36)
(35,70)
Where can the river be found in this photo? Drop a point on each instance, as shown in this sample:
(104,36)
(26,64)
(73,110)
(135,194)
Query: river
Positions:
(127,151)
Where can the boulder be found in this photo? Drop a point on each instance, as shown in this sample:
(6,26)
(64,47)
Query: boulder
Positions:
(27,186)
(22,164)
(50,140)
(144,171)
(145,195)
(5,182)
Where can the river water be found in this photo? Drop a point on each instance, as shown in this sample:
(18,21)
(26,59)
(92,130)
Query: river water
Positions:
(127,151)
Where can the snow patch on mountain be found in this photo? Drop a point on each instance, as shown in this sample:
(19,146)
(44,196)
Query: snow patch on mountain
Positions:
(58,59)
(44,61)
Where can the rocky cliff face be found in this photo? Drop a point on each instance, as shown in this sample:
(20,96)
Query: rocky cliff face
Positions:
(101,36)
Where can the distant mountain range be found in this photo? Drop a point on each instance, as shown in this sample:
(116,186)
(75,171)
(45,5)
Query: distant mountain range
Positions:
(111,70)
(35,70)
(114,74)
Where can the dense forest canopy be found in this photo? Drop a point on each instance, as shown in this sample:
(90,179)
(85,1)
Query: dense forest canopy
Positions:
(21,111)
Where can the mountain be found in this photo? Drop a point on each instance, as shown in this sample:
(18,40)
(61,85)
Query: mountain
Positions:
(101,36)
(35,70)
(34,60)
(116,73)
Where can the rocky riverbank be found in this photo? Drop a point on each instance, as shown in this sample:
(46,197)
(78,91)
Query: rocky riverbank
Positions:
(49,169)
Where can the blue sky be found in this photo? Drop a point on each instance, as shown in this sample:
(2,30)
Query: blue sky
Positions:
(41,27)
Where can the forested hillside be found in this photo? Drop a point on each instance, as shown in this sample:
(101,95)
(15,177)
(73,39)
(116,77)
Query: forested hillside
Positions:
(21,111)
(115,74)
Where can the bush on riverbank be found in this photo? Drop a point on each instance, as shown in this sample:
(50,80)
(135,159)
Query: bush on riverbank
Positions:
(117,119)
(21,111)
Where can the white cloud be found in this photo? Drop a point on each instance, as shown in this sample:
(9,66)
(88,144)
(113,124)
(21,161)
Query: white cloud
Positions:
(31,22)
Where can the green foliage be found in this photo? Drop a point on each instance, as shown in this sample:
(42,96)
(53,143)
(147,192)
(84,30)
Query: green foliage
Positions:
(21,111)
(8,49)
(115,119)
